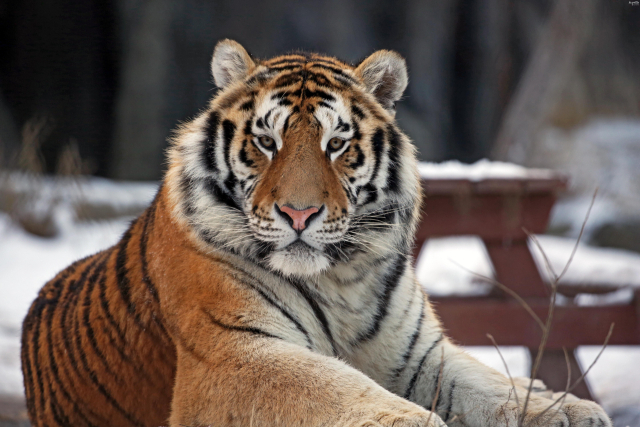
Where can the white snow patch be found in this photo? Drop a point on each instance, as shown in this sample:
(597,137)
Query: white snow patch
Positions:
(480,170)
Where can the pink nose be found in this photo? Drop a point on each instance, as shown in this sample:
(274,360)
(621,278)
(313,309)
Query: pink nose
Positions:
(299,217)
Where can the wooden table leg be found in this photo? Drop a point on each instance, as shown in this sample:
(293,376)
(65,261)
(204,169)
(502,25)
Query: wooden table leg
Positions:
(553,371)
(515,267)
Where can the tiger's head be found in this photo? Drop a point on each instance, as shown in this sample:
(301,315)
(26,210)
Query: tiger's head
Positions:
(297,163)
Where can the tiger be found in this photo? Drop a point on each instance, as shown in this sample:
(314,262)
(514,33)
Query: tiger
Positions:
(270,281)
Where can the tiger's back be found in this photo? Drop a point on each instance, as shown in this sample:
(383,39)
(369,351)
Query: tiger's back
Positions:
(94,348)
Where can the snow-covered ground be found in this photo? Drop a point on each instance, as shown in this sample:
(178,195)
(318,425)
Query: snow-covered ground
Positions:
(27,262)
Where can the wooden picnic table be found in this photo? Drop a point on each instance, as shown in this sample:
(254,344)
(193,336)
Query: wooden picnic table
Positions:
(499,210)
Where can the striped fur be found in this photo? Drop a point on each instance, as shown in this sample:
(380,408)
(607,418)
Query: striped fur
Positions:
(214,310)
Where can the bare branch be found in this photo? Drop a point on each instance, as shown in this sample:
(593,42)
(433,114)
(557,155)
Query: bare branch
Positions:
(513,385)
(547,263)
(584,224)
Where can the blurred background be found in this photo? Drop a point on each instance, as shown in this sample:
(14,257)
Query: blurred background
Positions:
(94,88)
(114,77)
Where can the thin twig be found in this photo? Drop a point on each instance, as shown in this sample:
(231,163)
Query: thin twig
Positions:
(584,224)
(547,263)
(506,367)
(541,347)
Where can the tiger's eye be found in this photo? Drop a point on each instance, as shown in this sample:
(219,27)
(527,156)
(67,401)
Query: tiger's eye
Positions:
(266,141)
(336,143)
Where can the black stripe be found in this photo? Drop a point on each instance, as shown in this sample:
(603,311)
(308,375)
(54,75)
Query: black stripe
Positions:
(56,375)
(302,289)
(325,105)
(266,117)
(35,345)
(343,126)
(285,127)
(339,72)
(412,343)
(247,127)
(209,144)
(188,205)
(440,392)
(307,93)
(58,415)
(248,105)
(98,384)
(414,378)
(144,239)
(278,305)
(248,329)
(31,341)
(295,66)
(26,368)
(287,80)
(390,283)
(104,303)
(448,412)
(359,157)
(87,305)
(229,131)
(70,304)
(324,60)
(357,135)
(393,180)
(357,112)
(219,195)
(289,59)
(320,80)
(122,272)
(377,144)
(122,279)
(243,155)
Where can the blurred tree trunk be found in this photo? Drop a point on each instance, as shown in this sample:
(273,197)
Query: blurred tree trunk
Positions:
(483,76)
(142,102)
(542,84)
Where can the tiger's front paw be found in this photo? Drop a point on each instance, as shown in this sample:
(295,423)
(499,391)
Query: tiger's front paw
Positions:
(383,419)
(396,412)
(585,413)
(579,413)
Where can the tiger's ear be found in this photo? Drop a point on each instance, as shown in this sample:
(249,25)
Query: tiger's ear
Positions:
(384,74)
(230,63)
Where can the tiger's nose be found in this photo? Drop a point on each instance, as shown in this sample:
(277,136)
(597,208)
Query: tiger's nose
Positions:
(298,219)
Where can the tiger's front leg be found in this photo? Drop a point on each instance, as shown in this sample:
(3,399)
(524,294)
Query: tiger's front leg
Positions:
(465,392)
(257,380)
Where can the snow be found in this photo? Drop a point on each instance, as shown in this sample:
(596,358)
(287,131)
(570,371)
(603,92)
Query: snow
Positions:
(480,170)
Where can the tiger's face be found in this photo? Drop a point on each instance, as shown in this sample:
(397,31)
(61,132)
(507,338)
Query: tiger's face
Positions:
(298,162)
